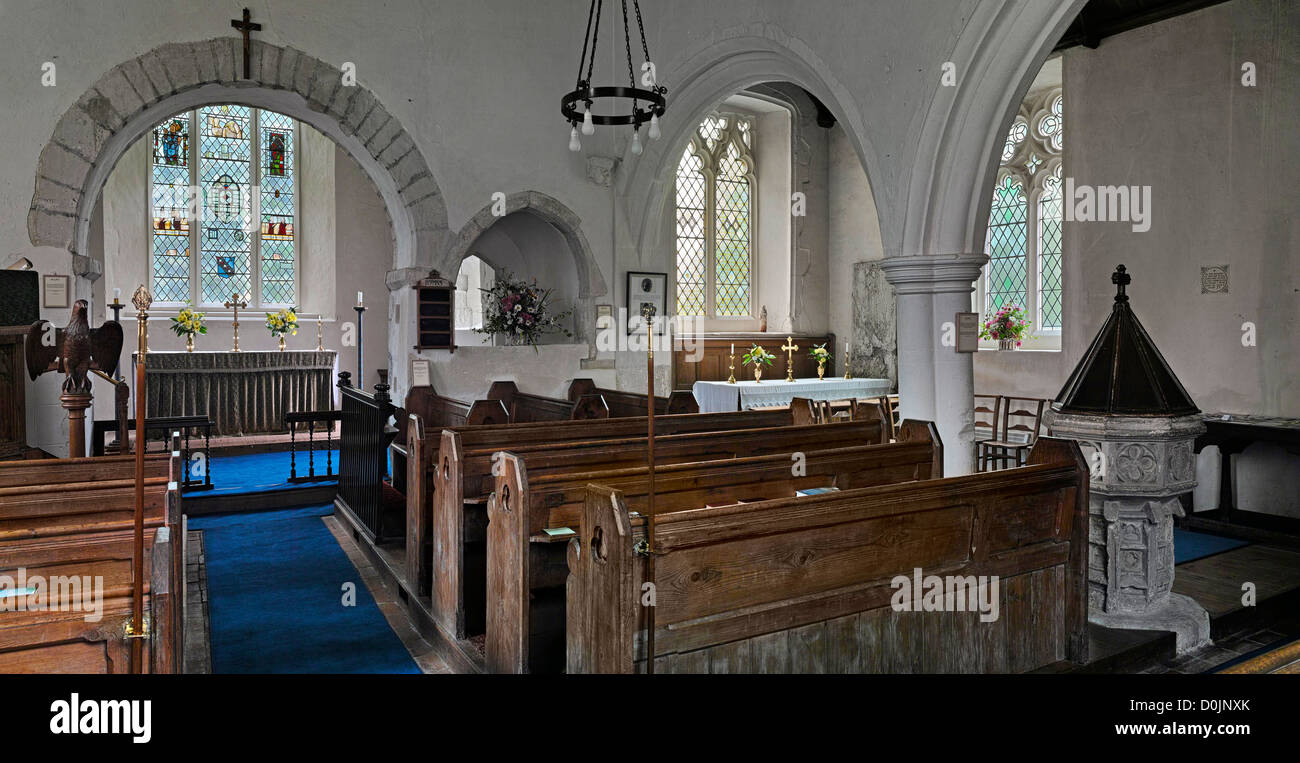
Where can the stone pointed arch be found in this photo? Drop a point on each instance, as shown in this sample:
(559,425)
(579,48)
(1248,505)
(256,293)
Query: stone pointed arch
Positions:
(591,283)
(724,66)
(132,97)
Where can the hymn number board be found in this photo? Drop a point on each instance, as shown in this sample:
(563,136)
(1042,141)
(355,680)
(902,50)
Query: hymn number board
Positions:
(436,314)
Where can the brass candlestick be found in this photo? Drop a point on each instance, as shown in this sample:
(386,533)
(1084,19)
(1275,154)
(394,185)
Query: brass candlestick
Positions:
(732,368)
(848,356)
(789,348)
(236,304)
(320,338)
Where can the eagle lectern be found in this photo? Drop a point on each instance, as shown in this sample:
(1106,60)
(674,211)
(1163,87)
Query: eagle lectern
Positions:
(76,351)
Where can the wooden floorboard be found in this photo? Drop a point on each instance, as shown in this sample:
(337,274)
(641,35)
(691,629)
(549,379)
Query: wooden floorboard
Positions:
(1216,581)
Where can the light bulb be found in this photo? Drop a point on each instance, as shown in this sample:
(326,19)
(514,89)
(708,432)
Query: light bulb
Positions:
(636,142)
(588,128)
(574,143)
(654,127)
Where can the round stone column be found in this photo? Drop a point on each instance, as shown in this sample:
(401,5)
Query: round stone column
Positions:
(935,382)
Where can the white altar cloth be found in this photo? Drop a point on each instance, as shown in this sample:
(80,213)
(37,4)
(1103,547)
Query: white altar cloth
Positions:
(719,396)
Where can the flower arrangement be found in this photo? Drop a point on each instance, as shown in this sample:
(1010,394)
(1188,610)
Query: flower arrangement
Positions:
(520,312)
(281,322)
(285,321)
(1008,325)
(757,357)
(822,355)
(187,323)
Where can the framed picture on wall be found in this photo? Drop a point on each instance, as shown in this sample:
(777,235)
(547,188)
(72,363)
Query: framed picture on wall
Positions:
(647,294)
(54,291)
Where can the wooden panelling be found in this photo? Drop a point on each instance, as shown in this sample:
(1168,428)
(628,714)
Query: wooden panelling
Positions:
(710,352)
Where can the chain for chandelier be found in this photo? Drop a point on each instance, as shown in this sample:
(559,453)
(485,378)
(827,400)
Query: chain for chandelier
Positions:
(648,100)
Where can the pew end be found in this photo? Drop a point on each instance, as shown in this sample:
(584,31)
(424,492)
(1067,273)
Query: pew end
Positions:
(913,430)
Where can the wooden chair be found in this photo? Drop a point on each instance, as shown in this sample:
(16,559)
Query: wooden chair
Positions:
(889,405)
(1021,416)
(989,406)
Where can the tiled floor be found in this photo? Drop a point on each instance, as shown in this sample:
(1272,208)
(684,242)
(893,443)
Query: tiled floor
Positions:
(1222,651)
(197,652)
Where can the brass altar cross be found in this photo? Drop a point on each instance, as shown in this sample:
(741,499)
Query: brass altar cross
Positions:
(245,27)
(236,304)
(789,348)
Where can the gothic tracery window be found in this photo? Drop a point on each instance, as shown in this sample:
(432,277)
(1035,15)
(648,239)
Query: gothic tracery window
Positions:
(229,194)
(1024,241)
(715,219)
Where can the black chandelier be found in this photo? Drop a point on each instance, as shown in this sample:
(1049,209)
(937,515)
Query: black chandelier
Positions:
(651,93)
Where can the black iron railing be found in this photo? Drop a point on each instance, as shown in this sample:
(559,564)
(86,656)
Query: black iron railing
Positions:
(198,467)
(363,461)
(312,419)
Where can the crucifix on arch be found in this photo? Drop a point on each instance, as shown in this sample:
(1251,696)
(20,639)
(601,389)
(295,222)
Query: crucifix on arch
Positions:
(245,27)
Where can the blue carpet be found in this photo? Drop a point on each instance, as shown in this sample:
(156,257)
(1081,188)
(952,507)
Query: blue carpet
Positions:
(1190,546)
(275,591)
(262,472)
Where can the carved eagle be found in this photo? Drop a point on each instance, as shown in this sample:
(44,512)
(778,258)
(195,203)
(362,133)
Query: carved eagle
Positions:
(74,350)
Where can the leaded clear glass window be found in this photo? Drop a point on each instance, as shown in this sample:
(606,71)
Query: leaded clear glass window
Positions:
(715,219)
(232,171)
(1024,241)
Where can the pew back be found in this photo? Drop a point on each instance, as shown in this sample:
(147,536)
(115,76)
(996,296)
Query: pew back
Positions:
(817,584)
(528,512)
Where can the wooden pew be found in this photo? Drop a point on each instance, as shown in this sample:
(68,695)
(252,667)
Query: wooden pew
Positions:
(805,585)
(424,444)
(438,412)
(56,470)
(57,637)
(533,510)
(623,404)
(526,407)
(463,480)
(49,527)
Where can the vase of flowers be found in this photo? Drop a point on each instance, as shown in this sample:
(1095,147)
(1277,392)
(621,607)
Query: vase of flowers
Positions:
(822,355)
(1008,327)
(758,358)
(282,322)
(520,312)
(187,323)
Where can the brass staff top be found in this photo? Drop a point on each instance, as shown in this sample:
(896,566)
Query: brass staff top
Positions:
(142,300)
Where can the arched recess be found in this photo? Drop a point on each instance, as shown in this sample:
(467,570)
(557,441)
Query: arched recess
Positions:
(590,282)
(130,99)
(701,82)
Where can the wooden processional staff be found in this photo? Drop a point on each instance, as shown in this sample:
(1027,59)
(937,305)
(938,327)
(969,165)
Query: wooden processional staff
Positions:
(650,493)
(142,300)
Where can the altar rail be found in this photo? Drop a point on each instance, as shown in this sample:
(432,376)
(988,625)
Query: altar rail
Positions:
(363,463)
(311,419)
(197,473)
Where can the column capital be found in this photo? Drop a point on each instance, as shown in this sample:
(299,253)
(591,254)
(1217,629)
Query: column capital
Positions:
(933,273)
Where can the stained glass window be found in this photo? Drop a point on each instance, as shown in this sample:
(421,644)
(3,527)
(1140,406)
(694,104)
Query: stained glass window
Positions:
(277,209)
(1049,252)
(169,202)
(714,219)
(1007,237)
(238,185)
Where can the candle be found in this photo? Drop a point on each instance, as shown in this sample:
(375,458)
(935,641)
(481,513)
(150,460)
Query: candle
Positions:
(360,303)
(733,348)
(117,293)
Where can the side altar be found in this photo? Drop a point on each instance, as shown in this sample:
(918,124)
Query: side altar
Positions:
(243,392)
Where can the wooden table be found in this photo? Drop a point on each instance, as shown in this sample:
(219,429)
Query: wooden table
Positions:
(1233,433)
